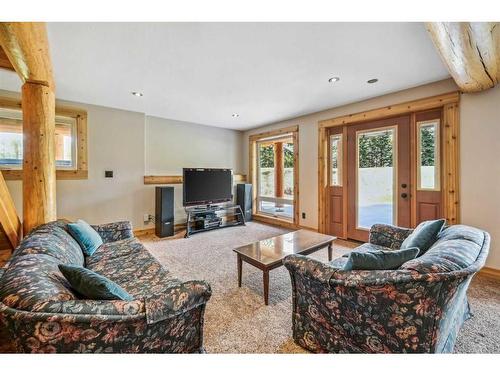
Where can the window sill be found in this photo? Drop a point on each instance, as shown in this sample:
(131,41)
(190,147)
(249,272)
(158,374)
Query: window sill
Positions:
(268,219)
(13,175)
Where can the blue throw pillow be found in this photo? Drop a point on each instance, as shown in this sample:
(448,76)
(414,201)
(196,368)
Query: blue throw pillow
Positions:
(86,236)
(424,235)
(379,259)
(92,285)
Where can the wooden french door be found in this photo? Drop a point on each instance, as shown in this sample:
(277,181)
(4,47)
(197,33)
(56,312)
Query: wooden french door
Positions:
(386,171)
(378,167)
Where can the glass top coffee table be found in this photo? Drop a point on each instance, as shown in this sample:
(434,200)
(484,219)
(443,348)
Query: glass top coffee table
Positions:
(269,253)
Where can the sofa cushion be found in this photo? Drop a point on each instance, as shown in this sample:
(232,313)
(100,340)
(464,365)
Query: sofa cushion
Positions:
(30,281)
(379,259)
(457,248)
(52,239)
(92,285)
(129,264)
(86,236)
(424,235)
(339,262)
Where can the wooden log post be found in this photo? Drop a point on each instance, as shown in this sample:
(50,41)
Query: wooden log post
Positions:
(9,221)
(39,172)
(26,46)
(471,52)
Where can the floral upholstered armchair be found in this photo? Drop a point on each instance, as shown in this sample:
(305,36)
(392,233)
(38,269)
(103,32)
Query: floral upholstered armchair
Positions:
(44,314)
(418,308)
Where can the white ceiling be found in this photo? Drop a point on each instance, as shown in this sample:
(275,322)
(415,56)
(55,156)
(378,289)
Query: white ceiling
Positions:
(265,72)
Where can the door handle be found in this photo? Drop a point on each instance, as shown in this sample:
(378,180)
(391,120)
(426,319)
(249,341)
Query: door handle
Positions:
(404,195)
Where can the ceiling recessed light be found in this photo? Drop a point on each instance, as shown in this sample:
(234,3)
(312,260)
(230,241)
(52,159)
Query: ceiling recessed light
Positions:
(334,79)
(235,115)
(137,93)
(373,80)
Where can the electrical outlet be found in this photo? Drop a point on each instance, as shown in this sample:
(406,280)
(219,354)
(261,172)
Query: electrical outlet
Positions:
(146,218)
(303,215)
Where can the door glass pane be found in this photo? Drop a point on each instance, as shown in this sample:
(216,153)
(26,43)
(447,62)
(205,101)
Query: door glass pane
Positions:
(288,170)
(276,181)
(428,156)
(336,160)
(266,170)
(375,177)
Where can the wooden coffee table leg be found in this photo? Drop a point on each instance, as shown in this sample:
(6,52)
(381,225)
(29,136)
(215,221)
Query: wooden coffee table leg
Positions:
(330,252)
(240,264)
(266,287)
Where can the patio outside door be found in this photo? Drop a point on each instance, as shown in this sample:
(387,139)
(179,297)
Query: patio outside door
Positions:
(378,167)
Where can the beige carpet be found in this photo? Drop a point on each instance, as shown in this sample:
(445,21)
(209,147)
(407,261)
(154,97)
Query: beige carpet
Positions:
(237,321)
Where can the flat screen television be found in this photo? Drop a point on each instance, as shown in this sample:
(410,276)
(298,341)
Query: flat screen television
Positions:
(206,186)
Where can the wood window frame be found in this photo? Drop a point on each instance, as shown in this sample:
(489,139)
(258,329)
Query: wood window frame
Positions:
(450,165)
(80,118)
(252,158)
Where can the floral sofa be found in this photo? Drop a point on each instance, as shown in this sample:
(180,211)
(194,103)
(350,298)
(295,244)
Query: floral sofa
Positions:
(43,314)
(418,308)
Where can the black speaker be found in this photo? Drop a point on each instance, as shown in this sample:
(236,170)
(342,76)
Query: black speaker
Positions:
(244,199)
(164,212)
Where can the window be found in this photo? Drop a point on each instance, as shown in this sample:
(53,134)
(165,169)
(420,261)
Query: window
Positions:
(11,141)
(428,155)
(274,173)
(70,141)
(275,177)
(336,160)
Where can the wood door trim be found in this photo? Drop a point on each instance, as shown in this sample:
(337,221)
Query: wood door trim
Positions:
(450,151)
(393,110)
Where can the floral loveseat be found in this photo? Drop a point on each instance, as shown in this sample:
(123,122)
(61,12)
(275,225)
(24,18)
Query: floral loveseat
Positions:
(43,314)
(417,308)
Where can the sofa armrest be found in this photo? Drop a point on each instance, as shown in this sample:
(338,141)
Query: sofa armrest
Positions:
(111,232)
(309,268)
(176,300)
(105,308)
(388,235)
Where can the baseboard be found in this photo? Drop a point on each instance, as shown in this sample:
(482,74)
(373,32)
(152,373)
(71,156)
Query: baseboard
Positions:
(274,221)
(151,231)
(143,232)
(280,222)
(492,273)
(308,228)
(259,218)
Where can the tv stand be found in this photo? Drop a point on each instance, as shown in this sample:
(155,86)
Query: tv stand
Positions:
(205,218)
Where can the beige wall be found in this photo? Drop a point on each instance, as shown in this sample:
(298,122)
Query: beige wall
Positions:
(133,145)
(172,145)
(479,154)
(115,142)
(480,165)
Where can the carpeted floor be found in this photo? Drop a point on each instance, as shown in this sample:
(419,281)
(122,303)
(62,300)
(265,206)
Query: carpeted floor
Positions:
(237,321)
